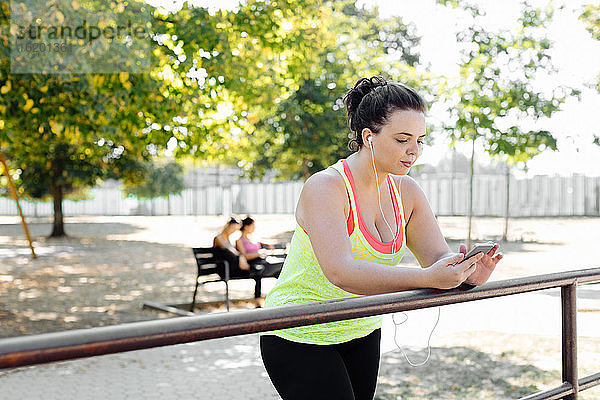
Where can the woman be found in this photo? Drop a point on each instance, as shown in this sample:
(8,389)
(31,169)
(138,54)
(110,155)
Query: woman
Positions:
(245,245)
(253,251)
(354,220)
(224,248)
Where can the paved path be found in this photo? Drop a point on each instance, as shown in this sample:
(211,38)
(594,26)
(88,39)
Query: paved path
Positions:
(231,368)
(228,368)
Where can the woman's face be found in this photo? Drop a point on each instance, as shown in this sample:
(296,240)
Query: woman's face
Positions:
(399,143)
(250,228)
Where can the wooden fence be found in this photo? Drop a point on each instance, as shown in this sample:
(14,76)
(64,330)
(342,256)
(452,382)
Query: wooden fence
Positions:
(548,196)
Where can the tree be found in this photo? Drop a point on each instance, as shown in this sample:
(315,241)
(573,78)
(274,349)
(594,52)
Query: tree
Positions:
(160,180)
(307,131)
(494,99)
(213,76)
(64,132)
(234,65)
(269,77)
(591,17)
(4,171)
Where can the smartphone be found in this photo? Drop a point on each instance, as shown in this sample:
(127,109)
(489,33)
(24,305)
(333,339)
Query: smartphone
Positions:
(479,248)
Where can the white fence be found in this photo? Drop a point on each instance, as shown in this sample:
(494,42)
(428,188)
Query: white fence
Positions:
(255,198)
(539,196)
(546,196)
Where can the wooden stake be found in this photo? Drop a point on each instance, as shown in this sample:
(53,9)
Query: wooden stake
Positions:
(13,190)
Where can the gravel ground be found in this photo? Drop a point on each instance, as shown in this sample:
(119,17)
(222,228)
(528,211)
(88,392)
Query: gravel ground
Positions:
(108,266)
(105,269)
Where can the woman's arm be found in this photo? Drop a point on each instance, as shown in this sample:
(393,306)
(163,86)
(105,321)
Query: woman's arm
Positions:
(240,247)
(322,213)
(267,245)
(424,237)
(218,241)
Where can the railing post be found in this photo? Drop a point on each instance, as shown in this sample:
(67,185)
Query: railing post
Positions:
(227,284)
(568,296)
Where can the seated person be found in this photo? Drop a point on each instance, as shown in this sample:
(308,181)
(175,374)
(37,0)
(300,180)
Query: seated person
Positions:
(252,250)
(224,249)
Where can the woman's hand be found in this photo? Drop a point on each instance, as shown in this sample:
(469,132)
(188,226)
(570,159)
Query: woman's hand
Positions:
(450,271)
(244,263)
(484,267)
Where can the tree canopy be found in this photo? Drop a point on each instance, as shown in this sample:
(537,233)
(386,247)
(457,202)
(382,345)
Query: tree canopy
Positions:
(160,180)
(260,87)
(591,17)
(306,131)
(269,78)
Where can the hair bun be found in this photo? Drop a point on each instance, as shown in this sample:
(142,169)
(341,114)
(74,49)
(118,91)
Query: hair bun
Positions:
(247,221)
(361,88)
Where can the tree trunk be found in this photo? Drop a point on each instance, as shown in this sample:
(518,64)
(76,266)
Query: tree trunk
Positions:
(195,187)
(218,181)
(58,227)
(471,173)
(15,194)
(168,204)
(305,172)
(452,210)
(507,208)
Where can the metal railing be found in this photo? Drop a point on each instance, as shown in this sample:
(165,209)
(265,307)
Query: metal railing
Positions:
(49,347)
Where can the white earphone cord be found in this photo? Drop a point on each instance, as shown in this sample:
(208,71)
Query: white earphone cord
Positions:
(392,263)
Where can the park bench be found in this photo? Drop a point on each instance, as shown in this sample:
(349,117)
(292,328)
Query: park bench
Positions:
(208,263)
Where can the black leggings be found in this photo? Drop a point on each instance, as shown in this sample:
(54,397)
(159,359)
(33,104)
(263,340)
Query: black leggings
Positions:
(265,269)
(345,371)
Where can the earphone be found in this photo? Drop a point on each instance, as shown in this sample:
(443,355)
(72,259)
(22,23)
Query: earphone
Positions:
(370,141)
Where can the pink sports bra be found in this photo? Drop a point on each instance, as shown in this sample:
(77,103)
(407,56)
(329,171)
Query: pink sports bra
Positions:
(249,246)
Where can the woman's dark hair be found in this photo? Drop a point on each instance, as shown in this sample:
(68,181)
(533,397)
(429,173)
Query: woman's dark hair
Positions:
(245,222)
(233,220)
(371,101)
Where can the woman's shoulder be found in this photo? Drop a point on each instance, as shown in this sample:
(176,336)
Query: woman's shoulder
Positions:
(324,189)
(326,178)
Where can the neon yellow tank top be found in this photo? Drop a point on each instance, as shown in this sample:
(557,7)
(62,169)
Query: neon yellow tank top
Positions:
(302,280)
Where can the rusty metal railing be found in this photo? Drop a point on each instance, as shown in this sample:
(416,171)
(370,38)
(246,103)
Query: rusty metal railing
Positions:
(49,347)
